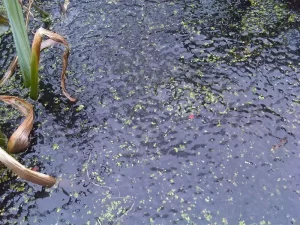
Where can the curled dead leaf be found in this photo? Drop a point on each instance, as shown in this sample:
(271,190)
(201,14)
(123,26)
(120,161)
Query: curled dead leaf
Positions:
(37,45)
(25,173)
(19,142)
(19,139)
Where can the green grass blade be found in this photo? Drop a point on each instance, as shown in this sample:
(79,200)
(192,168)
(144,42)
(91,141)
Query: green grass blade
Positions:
(19,31)
(35,58)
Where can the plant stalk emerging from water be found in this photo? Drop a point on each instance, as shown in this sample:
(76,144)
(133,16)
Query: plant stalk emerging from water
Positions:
(35,58)
(16,20)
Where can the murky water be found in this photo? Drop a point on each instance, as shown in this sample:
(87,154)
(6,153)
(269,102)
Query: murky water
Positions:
(188,113)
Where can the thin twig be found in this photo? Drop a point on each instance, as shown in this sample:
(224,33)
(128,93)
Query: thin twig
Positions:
(10,71)
(41,11)
(28,12)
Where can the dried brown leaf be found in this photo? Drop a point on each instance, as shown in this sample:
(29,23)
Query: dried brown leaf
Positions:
(56,38)
(19,139)
(3,20)
(25,173)
(10,71)
(64,6)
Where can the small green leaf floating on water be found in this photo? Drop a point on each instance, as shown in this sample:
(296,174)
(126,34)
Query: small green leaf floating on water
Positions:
(55,146)
(79,108)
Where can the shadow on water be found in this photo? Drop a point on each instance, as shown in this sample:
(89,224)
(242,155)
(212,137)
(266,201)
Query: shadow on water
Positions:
(188,113)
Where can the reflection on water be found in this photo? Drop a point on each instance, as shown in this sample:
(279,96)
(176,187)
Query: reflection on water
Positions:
(180,106)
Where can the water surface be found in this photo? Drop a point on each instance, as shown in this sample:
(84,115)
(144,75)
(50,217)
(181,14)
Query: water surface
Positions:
(188,113)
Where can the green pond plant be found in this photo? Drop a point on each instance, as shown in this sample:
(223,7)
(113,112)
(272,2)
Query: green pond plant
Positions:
(18,28)
(28,60)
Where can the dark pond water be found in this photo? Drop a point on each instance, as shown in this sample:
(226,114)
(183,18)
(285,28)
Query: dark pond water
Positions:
(188,113)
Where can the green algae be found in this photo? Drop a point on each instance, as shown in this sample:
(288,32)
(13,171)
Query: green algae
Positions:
(193,98)
(267,17)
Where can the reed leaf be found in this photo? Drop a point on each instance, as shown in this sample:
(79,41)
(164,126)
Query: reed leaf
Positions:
(16,20)
(35,58)
(19,139)
(19,142)
(25,173)
(9,71)
(12,67)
